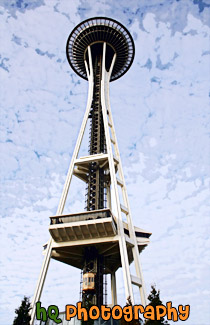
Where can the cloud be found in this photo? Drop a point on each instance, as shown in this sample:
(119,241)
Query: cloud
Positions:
(163,104)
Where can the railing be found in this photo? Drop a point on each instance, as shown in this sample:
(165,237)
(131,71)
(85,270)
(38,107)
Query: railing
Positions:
(82,216)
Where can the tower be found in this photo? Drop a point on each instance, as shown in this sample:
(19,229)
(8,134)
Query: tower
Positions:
(102,238)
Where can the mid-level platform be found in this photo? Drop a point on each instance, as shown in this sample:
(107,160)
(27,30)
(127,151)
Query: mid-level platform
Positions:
(74,232)
(85,225)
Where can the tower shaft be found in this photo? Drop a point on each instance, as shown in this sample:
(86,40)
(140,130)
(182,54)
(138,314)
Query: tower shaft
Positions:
(95,188)
(93,262)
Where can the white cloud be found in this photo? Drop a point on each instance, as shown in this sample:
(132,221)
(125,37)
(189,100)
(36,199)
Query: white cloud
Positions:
(162,102)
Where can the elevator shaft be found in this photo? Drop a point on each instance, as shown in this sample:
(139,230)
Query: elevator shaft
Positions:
(93,269)
(96,188)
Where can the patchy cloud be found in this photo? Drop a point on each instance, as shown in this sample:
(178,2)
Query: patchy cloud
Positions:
(162,102)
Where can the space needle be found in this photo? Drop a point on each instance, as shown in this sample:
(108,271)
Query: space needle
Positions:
(101,238)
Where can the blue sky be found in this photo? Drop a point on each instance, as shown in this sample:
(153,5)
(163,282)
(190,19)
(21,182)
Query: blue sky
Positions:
(163,104)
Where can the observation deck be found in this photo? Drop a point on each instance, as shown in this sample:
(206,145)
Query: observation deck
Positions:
(94,32)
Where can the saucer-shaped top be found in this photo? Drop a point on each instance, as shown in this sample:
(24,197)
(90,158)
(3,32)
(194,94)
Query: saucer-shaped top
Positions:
(97,30)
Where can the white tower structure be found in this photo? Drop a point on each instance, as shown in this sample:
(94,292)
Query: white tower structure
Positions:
(101,239)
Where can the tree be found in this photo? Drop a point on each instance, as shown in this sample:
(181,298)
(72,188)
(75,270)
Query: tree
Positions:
(23,317)
(154,298)
(134,321)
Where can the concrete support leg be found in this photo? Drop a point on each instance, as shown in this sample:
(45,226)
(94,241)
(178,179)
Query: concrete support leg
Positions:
(41,281)
(114,289)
